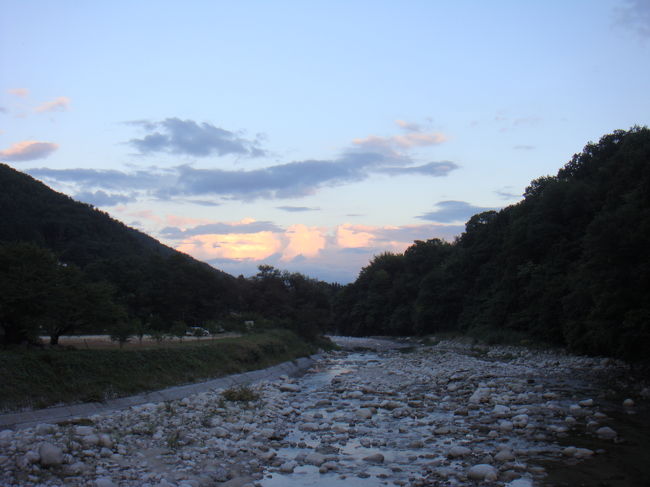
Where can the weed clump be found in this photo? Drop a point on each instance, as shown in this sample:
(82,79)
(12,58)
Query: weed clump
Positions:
(240,394)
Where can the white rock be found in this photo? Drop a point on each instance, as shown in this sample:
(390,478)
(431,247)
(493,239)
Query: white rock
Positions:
(583,453)
(289,387)
(458,451)
(315,458)
(84,430)
(482,394)
(50,454)
(288,467)
(520,421)
(504,456)
(45,428)
(31,457)
(500,410)
(522,482)
(628,403)
(606,433)
(482,471)
(364,413)
(104,482)
(587,403)
(376,458)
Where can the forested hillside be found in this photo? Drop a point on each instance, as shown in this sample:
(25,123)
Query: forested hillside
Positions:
(569,264)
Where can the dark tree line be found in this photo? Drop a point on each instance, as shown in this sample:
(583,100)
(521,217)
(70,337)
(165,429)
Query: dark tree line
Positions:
(569,264)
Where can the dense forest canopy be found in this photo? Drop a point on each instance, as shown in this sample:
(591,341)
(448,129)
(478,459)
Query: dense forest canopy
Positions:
(569,264)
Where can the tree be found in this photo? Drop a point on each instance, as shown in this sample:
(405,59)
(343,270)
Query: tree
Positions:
(123,331)
(26,276)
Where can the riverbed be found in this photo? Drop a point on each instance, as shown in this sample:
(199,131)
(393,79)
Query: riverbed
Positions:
(376,413)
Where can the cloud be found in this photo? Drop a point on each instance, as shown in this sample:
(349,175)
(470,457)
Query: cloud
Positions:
(453,211)
(235,246)
(435,169)
(303,241)
(101,198)
(393,142)
(290,180)
(296,209)
(221,228)
(28,150)
(635,16)
(410,126)
(524,147)
(59,104)
(185,222)
(21,92)
(332,253)
(186,137)
(506,193)
(102,178)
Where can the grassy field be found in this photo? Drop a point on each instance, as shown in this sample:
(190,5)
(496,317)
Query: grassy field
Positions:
(41,378)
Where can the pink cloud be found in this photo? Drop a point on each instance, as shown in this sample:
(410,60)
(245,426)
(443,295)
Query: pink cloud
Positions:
(21,92)
(235,246)
(28,150)
(59,104)
(303,240)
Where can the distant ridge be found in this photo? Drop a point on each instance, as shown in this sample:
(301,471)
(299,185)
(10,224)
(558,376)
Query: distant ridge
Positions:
(75,231)
(151,279)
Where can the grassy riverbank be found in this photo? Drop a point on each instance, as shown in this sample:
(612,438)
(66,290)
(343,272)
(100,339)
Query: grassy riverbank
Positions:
(41,378)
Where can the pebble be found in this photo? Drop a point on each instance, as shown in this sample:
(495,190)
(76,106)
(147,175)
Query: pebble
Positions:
(606,433)
(482,471)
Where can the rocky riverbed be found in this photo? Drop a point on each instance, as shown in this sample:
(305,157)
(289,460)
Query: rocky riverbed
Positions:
(444,414)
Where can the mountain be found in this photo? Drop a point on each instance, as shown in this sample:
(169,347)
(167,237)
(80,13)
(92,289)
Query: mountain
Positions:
(153,281)
(569,264)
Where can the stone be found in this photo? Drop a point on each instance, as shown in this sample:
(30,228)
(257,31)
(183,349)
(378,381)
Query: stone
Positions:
(288,467)
(104,482)
(504,456)
(50,455)
(500,410)
(482,471)
(458,451)
(315,458)
(606,433)
(375,458)
(364,413)
(289,387)
(84,430)
(520,482)
(628,403)
(45,429)
(481,394)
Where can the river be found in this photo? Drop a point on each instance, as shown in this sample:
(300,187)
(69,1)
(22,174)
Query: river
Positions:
(374,414)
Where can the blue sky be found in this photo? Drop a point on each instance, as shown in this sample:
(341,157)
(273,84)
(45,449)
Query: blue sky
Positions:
(311,135)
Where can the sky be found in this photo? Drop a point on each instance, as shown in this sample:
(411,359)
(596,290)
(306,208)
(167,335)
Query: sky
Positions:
(311,136)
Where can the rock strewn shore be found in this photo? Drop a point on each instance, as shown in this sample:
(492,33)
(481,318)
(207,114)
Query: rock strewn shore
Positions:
(449,414)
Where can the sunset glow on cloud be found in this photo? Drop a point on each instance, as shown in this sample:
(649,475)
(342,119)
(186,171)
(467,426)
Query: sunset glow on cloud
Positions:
(236,246)
(304,241)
